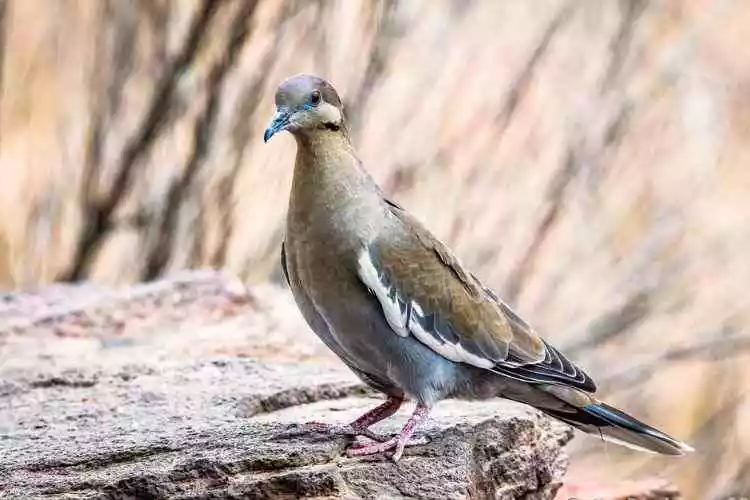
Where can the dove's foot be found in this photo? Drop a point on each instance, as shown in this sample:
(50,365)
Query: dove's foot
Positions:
(349,430)
(359,427)
(398,442)
(388,443)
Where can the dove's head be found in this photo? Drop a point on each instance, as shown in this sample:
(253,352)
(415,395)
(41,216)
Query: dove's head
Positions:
(306,103)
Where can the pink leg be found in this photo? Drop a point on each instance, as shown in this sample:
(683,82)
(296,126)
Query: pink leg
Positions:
(397,442)
(360,426)
(372,417)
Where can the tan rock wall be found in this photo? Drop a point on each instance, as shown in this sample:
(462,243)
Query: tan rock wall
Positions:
(588,159)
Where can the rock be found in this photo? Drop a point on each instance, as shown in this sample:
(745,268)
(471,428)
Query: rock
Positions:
(191,387)
(647,489)
(224,427)
(586,159)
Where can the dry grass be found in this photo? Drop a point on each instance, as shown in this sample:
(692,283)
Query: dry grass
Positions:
(588,159)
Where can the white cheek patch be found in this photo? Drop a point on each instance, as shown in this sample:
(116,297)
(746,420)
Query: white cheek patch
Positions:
(406,317)
(329,113)
(310,117)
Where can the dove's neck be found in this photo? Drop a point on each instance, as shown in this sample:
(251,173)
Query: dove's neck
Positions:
(331,191)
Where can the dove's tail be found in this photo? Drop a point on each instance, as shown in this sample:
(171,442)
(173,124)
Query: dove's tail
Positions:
(618,427)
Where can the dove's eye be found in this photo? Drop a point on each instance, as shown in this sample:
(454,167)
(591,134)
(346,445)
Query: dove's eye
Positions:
(315,97)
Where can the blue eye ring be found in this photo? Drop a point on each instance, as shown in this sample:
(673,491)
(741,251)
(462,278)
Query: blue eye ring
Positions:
(315,97)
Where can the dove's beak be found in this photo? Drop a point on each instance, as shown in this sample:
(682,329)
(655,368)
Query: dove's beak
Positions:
(280,122)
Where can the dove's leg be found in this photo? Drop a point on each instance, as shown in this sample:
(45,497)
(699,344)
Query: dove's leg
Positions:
(372,417)
(360,426)
(397,442)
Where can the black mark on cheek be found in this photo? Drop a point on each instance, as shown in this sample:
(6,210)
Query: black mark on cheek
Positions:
(331,126)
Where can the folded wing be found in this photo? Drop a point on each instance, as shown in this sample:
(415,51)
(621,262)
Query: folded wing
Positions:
(425,292)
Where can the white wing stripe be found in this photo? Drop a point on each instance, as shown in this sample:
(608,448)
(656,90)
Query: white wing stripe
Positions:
(410,320)
(369,275)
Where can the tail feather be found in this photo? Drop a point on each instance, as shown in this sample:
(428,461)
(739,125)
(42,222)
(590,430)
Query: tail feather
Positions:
(618,427)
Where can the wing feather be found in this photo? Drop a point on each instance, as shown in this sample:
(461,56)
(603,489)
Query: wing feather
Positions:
(284,269)
(425,292)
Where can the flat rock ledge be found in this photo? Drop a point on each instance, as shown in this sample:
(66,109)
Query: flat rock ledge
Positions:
(224,427)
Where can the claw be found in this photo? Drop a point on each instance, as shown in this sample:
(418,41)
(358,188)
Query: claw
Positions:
(371,449)
(348,430)
(360,427)
(420,441)
(398,442)
(360,449)
(380,438)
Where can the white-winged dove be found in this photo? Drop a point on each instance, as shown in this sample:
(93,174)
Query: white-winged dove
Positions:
(396,306)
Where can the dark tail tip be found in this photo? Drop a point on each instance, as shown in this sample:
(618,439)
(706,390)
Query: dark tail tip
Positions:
(619,427)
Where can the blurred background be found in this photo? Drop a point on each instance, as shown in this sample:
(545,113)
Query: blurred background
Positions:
(588,159)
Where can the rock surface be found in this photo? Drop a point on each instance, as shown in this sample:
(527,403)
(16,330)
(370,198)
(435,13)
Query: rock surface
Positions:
(226,428)
(588,160)
(150,410)
(649,489)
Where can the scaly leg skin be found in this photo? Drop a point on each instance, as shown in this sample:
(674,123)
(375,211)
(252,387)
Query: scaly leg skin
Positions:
(359,427)
(397,442)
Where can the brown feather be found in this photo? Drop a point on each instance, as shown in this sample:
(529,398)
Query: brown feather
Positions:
(426,271)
